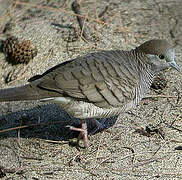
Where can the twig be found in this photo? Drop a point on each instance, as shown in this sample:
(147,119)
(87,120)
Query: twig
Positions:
(54,142)
(12,170)
(175,128)
(81,21)
(27,126)
(18,138)
(178,99)
(103,12)
(147,162)
(160,148)
(32,158)
(159,96)
(60,10)
(133,152)
(104,161)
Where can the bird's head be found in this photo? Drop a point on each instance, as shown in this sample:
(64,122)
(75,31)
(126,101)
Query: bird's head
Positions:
(160,52)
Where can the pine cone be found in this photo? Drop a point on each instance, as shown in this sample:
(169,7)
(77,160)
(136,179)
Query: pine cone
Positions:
(23,52)
(17,52)
(9,44)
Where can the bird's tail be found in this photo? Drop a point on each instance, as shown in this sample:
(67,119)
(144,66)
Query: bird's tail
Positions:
(27,92)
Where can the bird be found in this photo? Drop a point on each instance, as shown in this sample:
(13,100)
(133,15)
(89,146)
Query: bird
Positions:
(100,84)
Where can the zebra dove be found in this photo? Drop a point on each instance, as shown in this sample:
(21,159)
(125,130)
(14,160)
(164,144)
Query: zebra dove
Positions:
(100,84)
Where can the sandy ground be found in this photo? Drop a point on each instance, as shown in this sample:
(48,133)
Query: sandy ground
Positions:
(121,151)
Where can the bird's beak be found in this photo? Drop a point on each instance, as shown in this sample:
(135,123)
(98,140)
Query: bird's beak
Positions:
(174,65)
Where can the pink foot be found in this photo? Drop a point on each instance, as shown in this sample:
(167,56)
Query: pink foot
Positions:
(83,132)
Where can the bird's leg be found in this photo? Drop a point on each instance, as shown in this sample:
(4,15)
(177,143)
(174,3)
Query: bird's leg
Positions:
(99,125)
(83,132)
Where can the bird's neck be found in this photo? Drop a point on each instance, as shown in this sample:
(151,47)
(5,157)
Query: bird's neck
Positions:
(146,73)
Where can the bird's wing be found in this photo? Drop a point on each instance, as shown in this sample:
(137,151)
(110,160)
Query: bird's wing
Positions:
(105,79)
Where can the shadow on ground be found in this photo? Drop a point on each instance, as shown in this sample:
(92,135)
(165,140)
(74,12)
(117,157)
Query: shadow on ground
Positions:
(45,122)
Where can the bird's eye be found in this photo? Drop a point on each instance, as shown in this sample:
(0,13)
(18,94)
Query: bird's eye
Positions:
(161,56)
